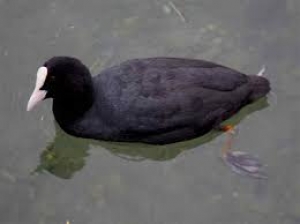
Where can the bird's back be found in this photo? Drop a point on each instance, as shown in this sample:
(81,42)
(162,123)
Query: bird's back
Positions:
(158,95)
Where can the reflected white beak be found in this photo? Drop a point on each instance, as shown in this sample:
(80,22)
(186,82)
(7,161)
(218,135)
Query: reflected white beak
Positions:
(37,94)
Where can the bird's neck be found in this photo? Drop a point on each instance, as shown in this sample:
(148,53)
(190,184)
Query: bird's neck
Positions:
(73,105)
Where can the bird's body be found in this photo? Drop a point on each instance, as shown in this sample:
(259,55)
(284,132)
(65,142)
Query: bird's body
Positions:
(156,100)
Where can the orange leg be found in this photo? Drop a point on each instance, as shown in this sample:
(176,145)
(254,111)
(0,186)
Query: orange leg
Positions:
(240,162)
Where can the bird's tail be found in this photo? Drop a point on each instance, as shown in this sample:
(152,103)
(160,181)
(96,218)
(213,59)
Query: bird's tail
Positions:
(260,85)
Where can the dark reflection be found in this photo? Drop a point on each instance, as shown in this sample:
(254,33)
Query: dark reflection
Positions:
(66,154)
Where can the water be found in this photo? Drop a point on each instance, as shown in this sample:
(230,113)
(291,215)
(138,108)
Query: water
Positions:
(47,176)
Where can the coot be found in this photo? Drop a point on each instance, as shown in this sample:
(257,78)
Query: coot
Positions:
(152,100)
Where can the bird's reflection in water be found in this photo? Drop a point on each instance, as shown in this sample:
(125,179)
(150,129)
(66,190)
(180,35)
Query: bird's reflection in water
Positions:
(66,154)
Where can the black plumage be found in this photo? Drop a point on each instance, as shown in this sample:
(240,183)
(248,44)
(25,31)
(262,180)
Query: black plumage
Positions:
(154,100)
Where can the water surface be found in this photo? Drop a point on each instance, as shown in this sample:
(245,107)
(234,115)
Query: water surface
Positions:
(98,182)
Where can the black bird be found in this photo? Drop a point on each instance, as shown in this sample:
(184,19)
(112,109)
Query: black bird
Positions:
(153,100)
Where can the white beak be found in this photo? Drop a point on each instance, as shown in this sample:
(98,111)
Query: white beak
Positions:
(37,94)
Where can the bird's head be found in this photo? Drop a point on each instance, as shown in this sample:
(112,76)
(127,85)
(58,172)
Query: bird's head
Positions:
(60,78)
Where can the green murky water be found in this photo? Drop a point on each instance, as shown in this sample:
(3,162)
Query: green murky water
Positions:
(47,176)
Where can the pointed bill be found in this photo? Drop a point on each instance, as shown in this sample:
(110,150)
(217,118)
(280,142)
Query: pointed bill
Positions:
(37,94)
